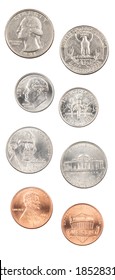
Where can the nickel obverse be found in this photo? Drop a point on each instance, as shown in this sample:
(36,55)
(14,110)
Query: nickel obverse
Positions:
(29,150)
(84,49)
(29,33)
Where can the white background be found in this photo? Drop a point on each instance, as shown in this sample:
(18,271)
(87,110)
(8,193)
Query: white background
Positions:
(47,246)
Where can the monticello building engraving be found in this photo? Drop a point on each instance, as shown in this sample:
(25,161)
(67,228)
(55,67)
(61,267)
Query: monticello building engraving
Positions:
(83,163)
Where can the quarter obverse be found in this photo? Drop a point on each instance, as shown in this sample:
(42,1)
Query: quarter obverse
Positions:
(84,49)
(29,150)
(29,33)
(83,164)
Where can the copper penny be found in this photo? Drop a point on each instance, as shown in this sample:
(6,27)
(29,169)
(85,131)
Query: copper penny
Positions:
(82,224)
(31,207)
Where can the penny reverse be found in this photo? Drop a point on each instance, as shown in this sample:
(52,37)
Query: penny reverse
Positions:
(82,224)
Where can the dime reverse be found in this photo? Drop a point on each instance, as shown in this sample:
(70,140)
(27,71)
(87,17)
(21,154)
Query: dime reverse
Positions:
(78,107)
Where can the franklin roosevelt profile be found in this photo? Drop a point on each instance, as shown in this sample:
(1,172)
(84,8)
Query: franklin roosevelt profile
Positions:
(35,93)
(30,31)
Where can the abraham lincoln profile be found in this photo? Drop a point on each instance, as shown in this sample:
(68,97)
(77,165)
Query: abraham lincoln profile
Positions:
(32,213)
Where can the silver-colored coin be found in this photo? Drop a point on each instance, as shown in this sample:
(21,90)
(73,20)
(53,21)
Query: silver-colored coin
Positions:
(29,33)
(34,92)
(78,107)
(29,150)
(83,164)
(84,49)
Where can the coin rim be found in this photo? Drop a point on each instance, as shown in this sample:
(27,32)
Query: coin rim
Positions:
(51,204)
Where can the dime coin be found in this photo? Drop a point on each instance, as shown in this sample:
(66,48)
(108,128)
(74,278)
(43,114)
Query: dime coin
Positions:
(34,92)
(29,33)
(78,107)
(82,224)
(29,150)
(84,49)
(31,207)
(83,164)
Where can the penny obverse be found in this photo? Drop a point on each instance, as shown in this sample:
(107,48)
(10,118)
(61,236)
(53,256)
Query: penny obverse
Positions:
(31,207)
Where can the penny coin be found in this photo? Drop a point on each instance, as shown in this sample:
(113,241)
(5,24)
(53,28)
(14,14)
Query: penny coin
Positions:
(83,164)
(82,224)
(29,150)
(84,49)
(78,107)
(34,92)
(31,207)
(29,33)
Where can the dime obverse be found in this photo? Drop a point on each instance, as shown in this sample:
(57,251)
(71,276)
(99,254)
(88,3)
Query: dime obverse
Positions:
(29,33)
(31,207)
(83,164)
(84,49)
(29,150)
(78,107)
(34,92)
(82,224)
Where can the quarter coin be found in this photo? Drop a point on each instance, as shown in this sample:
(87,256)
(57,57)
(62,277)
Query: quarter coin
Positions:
(83,164)
(82,224)
(78,107)
(29,150)
(31,207)
(29,33)
(84,49)
(34,92)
